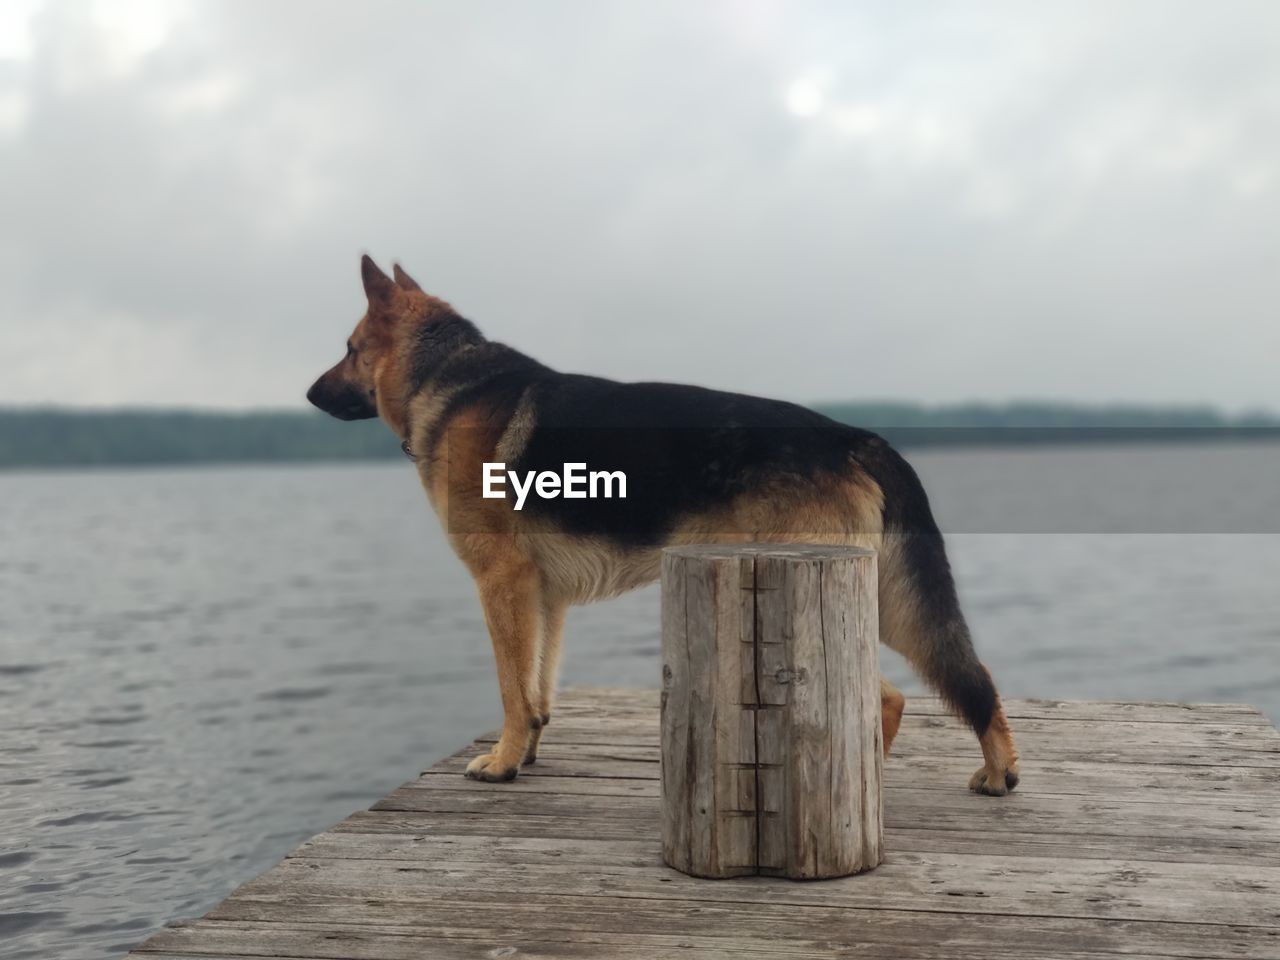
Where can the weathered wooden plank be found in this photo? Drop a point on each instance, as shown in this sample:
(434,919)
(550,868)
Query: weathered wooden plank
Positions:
(277,940)
(526,934)
(1050,776)
(1117,734)
(601,786)
(474,824)
(1174,783)
(434,848)
(402,836)
(927,714)
(562,761)
(619,701)
(911,835)
(1257,814)
(904,807)
(1082,846)
(518,802)
(1238,714)
(944,883)
(937,935)
(1112,742)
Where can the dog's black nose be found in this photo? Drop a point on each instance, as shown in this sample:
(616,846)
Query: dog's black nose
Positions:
(313,395)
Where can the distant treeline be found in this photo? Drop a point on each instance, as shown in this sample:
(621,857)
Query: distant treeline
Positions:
(58,437)
(1019,424)
(55,438)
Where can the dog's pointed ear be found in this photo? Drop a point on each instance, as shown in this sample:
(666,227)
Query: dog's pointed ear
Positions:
(378,287)
(402,278)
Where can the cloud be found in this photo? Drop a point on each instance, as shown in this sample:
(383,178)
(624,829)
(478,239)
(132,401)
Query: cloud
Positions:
(813,201)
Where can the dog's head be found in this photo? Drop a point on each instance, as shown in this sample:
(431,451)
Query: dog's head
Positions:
(363,383)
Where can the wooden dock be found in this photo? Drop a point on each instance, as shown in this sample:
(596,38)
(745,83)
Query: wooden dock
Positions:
(1144,830)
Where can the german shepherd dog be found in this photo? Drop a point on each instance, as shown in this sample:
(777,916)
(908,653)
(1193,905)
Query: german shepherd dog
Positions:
(702,466)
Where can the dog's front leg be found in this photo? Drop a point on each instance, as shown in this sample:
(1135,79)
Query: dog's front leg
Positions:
(553,614)
(511,598)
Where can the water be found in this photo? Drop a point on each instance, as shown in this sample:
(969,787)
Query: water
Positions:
(200,668)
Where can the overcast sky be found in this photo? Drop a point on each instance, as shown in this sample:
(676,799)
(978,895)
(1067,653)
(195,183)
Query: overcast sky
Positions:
(934,202)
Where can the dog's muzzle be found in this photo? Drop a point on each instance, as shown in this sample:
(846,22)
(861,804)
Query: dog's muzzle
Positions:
(345,403)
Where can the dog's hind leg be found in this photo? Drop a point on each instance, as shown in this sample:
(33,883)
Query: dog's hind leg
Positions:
(920,618)
(512,599)
(553,614)
(892,703)
(999,774)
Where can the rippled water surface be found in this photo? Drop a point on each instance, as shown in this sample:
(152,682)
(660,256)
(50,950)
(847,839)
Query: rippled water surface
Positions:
(200,668)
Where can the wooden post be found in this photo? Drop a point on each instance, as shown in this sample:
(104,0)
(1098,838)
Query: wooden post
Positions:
(771,740)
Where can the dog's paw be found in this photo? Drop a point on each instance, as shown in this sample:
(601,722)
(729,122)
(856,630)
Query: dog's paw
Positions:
(994,783)
(491,769)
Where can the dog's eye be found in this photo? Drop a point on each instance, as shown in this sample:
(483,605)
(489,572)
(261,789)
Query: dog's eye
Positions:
(351,350)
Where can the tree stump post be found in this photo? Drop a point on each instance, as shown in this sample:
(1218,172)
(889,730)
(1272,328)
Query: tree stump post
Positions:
(771,739)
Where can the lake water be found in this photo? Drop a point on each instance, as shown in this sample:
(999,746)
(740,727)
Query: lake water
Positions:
(200,668)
